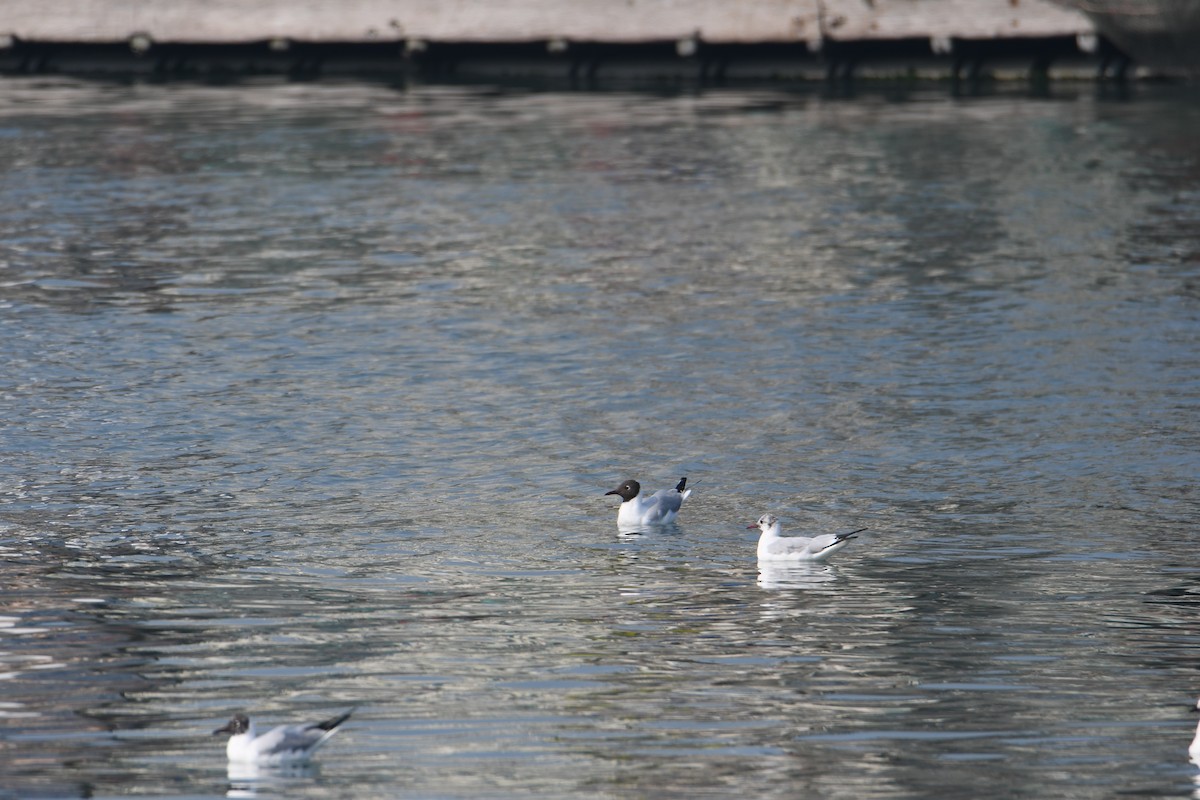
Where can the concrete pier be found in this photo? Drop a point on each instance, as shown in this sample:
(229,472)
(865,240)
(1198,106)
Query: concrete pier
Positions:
(591,37)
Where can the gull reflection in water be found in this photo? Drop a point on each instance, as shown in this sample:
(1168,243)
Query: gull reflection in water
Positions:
(635,531)
(246,779)
(794,575)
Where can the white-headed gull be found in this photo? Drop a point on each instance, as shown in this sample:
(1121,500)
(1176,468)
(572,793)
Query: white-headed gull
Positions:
(659,508)
(285,744)
(773,547)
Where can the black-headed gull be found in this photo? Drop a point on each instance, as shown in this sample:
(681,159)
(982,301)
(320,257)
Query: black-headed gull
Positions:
(773,547)
(659,508)
(285,744)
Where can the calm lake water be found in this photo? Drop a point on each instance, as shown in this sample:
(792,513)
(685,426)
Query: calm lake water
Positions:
(310,395)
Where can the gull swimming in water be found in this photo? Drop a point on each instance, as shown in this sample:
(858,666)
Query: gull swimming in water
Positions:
(659,508)
(285,744)
(1194,749)
(773,547)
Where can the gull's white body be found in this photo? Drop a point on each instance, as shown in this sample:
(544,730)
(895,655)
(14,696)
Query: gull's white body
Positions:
(1194,749)
(774,547)
(284,744)
(660,508)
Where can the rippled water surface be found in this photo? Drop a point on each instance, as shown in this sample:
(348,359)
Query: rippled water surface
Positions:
(310,395)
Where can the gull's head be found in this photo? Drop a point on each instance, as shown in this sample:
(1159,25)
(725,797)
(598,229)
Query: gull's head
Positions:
(627,490)
(236,726)
(765,523)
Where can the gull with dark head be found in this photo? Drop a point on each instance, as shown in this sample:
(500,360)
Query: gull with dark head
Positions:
(660,508)
(285,744)
(773,547)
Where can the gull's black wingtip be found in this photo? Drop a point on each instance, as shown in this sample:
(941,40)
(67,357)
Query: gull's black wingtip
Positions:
(682,483)
(330,724)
